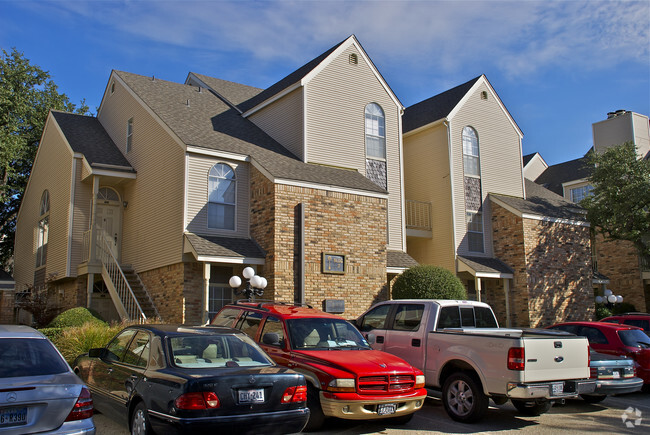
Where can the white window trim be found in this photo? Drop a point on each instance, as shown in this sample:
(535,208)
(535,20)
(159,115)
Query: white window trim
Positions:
(233,180)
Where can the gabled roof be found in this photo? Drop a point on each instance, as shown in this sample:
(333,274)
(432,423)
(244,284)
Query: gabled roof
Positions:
(213,246)
(233,92)
(527,158)
(486,266)
(87,136)
(555,175)
(399,260)
(201,119)
(541,203)
(435,108)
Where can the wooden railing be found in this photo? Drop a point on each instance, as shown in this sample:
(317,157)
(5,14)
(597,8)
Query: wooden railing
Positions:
(418,215)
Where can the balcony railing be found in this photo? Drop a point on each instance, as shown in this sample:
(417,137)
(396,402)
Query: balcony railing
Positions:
(418,215)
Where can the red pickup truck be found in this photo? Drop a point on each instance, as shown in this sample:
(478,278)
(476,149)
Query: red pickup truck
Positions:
(345,377)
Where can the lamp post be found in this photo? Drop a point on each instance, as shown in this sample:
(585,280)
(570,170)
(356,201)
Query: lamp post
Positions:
(609,298)
(254,286)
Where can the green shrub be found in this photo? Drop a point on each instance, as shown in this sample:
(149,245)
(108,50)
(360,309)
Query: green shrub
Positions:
(52,333)
(75,341)
(75,317)
(602,311)
(428,282)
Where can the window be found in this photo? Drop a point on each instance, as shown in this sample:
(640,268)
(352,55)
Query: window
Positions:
(221,197)
(117,347)
(485,318)
(593,335)
(138,352)
(273,325)
(226,317)
(375,318)
(475,231)
(43,230)
(29,357)
(580,193)
(449,317)
(375,132)
(219,296)
(471,161)
(408,317)
(129,134)
(106,194)
(249,322)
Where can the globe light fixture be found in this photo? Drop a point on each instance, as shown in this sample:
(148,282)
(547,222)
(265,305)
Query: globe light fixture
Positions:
(599,299)
(611,299)
(619,299)
(255,284)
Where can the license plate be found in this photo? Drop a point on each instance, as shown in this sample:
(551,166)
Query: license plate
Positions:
(251,396)
(13,416)
(558,389)
(386,408)
(616,374)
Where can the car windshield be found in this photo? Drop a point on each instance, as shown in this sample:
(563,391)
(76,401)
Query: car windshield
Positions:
(634,338)
(29,357)
(216,350)
(324,334)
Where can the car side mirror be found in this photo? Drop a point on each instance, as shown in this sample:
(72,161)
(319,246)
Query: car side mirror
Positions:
(98,352)
(271,338)
(371,338)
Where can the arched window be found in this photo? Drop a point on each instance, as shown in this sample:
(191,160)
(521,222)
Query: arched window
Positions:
(222,195)
(107,194)
(43,229)
(471,159)
(375,132)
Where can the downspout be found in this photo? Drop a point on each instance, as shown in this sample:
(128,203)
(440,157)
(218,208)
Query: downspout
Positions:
(451,186)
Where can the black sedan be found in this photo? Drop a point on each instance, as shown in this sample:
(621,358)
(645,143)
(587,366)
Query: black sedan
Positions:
(181,379)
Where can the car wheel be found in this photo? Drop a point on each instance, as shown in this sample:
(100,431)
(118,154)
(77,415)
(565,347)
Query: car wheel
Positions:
(316,416)
(532,407)
(593,398)
(140,421)
(463,398)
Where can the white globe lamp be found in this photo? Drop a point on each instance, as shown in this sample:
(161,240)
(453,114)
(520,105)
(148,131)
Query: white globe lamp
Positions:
(599,299)
(611,299)
(248,272)
(234,281)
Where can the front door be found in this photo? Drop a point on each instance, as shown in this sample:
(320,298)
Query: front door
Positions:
(108,218)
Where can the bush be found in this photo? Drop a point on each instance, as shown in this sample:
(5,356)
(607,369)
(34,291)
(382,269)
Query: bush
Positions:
(428,282)
(602,311)
(75,341)
(52,333)
(75,317)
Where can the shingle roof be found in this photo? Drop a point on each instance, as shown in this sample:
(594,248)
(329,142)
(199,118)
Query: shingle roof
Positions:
(542,202)
(436,107)
(553,177)
(399,259)
(236,93)
(210,123)
(485,264)
(213,246)
(4,276)
(87,136)
(287,81)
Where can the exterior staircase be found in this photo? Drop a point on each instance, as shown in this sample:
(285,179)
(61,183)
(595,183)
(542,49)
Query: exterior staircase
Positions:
(140,292)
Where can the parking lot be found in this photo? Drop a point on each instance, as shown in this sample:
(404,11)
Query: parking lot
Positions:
(621,414)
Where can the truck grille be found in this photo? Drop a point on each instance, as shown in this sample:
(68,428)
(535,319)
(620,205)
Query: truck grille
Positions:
(388,384)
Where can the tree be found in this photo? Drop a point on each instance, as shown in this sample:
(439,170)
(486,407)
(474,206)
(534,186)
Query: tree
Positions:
(26,96)
(619,205)
(428,282)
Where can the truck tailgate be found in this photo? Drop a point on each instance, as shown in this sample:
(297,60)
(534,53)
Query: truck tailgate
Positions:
(553,358)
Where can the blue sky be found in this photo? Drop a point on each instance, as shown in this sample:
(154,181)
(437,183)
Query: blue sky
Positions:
(558,66)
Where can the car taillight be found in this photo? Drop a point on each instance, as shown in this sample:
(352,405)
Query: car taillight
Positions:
(516,359)
(199,400)
(295,394)
(83,408)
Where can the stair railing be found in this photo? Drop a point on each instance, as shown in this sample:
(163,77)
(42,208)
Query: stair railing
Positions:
(125,301)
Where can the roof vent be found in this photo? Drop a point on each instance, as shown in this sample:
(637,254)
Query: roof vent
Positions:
(353,59)
(484,95)
(153,78)
(200,90)
(187,103)
(619,112)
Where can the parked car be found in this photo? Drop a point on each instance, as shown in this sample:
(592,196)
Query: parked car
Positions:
(641,320)
(345,377)
(614,339)
(464,353)
(40,393)
(181,379)
(613,375)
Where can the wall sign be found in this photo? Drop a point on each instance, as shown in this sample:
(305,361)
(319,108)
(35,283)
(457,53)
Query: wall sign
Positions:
(335,306)
(333,263)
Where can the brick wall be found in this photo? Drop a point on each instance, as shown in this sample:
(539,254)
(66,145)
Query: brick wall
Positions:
(7,298)
(165,286)
(552,269)
(340,223)
(619,261)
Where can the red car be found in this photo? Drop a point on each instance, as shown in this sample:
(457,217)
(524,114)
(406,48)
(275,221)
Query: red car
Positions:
(345,377)
(614,339)
(642,320)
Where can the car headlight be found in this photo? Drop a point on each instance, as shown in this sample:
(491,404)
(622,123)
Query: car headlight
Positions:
(342,385)
(419,381)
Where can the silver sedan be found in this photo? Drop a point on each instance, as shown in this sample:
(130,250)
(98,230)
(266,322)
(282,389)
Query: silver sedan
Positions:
(38,390)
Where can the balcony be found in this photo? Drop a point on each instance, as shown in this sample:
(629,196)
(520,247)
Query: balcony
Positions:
(418,218)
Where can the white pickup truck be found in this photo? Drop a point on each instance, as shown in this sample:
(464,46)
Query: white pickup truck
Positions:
(462,351)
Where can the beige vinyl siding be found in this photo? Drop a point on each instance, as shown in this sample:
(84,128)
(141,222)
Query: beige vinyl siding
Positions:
(52,171)
(82,204)
(500,159)
(534,168)
(641,134)
(152,226)
(336,99)
(283,121)
(614,131)
(426,178)
(198,167)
